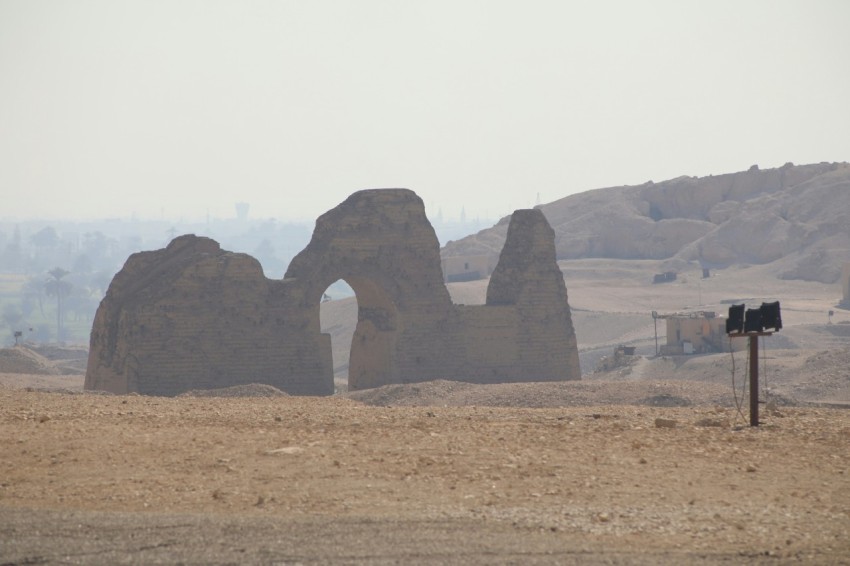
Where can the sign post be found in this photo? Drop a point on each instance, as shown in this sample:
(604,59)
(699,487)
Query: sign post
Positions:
(754,380)
(753,323)
(754,371)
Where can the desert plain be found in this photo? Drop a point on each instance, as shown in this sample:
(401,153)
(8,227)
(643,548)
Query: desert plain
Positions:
(652,462)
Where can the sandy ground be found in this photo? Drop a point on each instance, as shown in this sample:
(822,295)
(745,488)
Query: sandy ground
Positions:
(109,479)
(648,464)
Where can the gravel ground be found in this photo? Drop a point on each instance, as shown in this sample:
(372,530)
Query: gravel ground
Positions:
(555,394)
(104,479)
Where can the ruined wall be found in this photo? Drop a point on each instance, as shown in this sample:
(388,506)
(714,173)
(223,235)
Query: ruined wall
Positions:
(381,243)
(525,327)
(194,316)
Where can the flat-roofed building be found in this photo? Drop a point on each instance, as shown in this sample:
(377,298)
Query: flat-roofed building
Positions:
(700,332)
(468,267)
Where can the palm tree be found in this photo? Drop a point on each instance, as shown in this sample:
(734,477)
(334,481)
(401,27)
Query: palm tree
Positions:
(56,286)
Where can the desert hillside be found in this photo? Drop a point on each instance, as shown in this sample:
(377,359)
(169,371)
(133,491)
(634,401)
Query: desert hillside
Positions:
(796,218)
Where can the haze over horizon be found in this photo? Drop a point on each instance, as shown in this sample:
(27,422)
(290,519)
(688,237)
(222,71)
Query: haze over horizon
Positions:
(181,109)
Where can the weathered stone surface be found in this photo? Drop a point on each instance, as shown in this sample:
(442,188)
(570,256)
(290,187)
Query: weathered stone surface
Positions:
(381,243)
(193,316)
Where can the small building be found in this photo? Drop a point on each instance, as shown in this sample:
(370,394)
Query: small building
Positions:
(467,267)
(665,277)
(700,332)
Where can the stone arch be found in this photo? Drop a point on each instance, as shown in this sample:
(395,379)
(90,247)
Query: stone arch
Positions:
(381,243)
(372,348)
(372,353)
(194,316)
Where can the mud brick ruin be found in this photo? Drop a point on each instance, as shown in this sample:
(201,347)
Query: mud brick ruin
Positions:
(194,316)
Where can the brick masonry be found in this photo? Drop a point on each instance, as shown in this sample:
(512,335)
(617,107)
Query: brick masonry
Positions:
(194,316)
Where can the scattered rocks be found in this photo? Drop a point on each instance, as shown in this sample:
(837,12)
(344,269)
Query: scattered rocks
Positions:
(666,423)
(710,422)
(290,450)
(665,400)
(546,394)
(605,476)
(249,390)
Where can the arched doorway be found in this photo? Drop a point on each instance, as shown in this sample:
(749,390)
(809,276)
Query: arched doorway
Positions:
(338,319)
(363,332)
(381,244)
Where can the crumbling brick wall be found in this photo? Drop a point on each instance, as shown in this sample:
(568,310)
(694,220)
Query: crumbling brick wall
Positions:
(193,316)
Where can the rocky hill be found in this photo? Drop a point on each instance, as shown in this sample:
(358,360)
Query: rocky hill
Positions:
(796,218)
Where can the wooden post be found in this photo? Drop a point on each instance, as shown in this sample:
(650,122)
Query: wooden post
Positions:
(754,379)
(754,371)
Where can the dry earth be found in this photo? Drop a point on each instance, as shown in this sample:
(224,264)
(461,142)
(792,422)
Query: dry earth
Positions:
(649,464)
(108,479)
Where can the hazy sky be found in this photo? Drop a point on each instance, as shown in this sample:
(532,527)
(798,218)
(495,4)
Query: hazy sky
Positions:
(113,108)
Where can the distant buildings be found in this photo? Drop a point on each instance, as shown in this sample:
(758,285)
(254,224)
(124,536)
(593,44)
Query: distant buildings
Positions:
(695,333)
(666,277)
